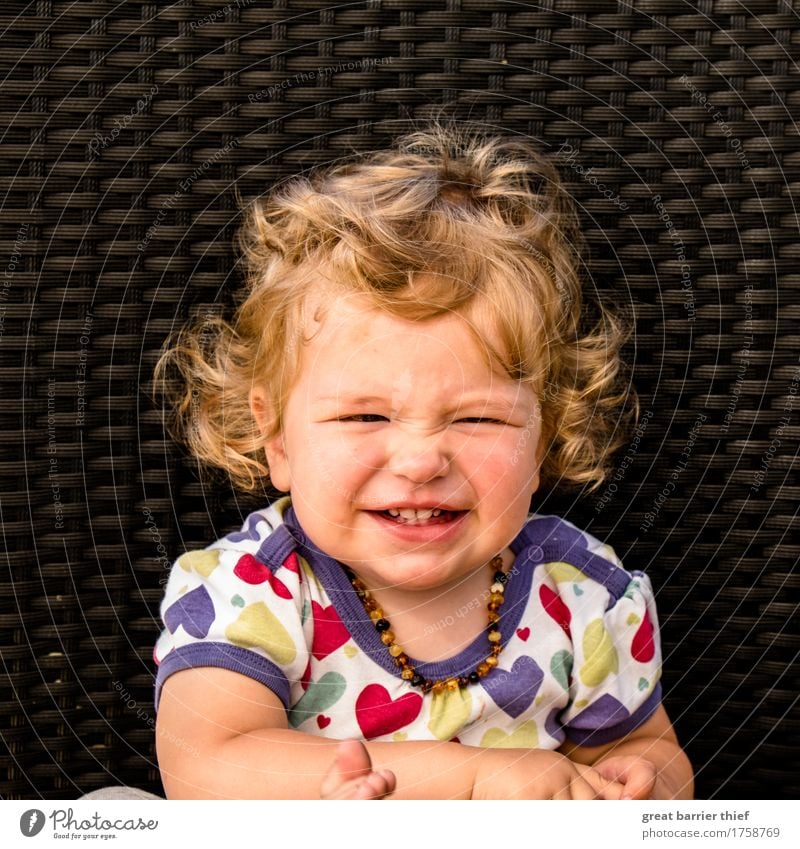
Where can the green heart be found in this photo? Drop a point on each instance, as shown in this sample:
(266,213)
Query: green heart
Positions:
(237,601)
(631,588)
(561,667)
(577,590)
(643,683)
(319,696)
(304,614)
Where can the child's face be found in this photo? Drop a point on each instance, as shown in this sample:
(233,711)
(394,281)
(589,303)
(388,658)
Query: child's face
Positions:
(391,415)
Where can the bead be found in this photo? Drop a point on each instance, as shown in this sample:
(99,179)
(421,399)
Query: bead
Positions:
(401,659)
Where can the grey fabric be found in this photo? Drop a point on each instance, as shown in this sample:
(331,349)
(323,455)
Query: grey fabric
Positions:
(120,792)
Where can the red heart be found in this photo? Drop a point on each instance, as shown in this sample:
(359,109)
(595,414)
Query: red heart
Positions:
(306,679)
(377,714)
(556,608)
(293,565)
(323,721)
(643,647)
(523,634)
(329,632)
(252,571)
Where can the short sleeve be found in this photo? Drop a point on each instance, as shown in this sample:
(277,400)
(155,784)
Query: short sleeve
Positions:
(225,608)
(615,682)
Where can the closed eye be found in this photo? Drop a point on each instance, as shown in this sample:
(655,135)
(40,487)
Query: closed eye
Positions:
(363,417)
(480,420)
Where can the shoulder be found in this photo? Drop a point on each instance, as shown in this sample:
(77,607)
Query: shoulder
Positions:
(569,554)
(254,555)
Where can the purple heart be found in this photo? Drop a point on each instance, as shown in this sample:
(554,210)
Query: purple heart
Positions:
(248,531)
(514,690)
(605,712)
(195,611)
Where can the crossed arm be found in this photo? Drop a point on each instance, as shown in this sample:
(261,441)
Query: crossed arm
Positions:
(222,735)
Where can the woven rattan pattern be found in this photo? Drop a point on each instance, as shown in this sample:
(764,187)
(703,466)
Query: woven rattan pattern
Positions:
(128,130)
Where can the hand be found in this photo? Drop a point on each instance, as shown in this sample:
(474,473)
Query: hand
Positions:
(636,774)
(540,774)
(351,775)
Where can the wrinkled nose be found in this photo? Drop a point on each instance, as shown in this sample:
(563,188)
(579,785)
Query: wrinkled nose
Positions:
(418,457)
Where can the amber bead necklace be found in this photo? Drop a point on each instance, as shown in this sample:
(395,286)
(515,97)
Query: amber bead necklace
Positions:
(401,660)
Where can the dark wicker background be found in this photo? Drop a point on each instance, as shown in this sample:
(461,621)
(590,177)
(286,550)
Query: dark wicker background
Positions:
(128,129)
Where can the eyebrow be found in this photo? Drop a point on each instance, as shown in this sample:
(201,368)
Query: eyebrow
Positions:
(490,405)
(355,400)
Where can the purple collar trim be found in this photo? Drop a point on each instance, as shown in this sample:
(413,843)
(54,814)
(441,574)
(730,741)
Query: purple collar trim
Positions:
(351,611)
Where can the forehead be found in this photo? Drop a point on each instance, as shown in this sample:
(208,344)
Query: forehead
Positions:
(358,353)
(354,325)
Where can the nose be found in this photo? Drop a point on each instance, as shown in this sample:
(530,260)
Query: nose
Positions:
(418,456)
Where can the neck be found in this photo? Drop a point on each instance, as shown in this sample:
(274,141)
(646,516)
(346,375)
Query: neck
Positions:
(437,624)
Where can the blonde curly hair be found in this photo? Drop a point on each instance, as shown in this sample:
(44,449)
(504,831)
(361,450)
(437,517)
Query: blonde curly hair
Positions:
(445,220)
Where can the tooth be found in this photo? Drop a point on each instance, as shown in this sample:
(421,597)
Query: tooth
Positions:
(392,512)
(437,512)
(407,514)
(424,515)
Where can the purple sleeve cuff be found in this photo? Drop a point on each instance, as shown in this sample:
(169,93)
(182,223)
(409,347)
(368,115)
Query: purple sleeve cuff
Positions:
(224,656)
(587,736)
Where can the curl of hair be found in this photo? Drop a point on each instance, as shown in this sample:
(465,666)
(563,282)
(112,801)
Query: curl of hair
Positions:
(445,220)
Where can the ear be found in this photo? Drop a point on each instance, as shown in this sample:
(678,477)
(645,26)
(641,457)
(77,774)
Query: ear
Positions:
(261,409)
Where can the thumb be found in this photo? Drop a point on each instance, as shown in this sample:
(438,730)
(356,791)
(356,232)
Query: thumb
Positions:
(350,761)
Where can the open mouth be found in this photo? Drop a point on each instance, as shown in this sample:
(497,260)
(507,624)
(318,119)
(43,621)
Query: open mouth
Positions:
(421,517)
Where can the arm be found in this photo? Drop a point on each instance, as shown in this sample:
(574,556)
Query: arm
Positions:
(649,761)
(223,735)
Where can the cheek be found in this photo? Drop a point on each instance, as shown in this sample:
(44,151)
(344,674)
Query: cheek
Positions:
(343,462)
(512,467)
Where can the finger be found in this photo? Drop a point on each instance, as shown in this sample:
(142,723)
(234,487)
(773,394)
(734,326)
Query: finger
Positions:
(348,790)
(641,782)
(351,761)
(377,785)
(582,789)
(638,776)
(603,788)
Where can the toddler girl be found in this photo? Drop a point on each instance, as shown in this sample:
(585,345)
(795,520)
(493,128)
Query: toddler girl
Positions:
(409,362)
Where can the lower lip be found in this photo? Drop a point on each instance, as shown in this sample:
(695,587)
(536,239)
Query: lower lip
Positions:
(433,532)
